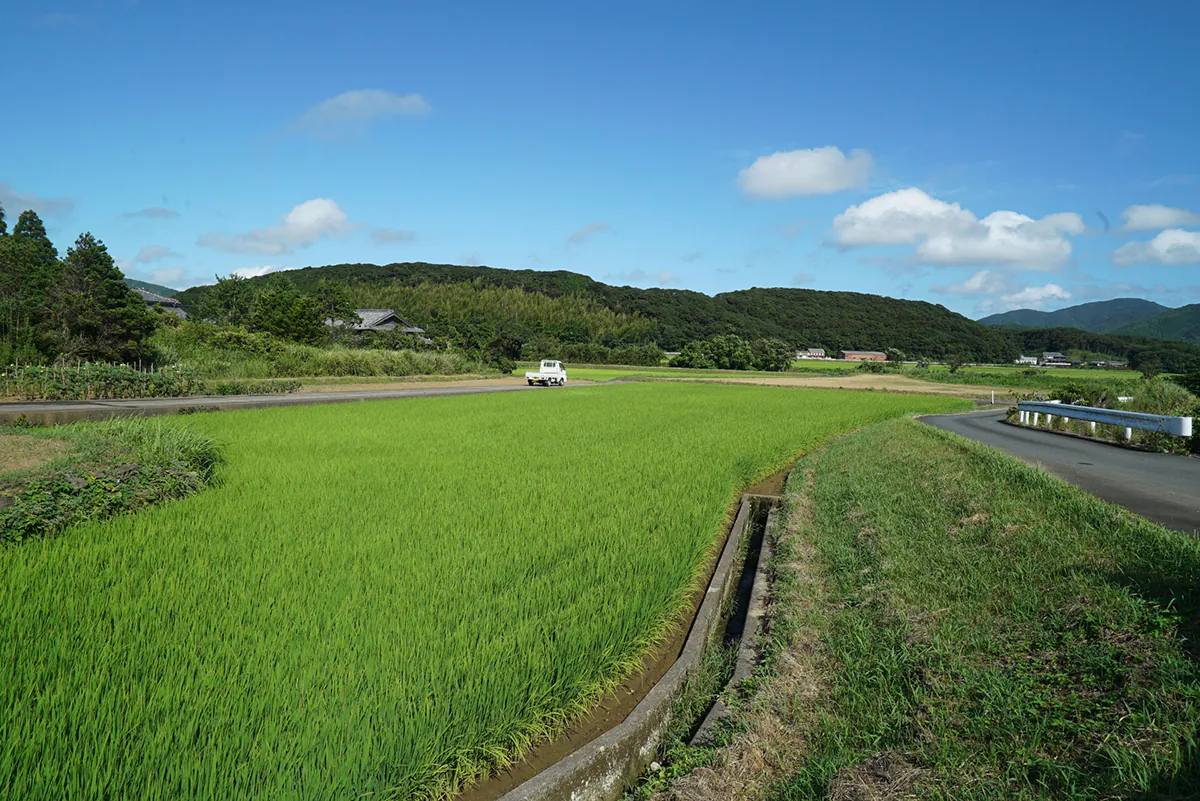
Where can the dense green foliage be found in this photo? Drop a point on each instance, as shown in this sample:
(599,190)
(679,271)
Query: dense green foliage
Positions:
(471,315)
(1182,324)
(381,599)
(74,308)
(115,467)
(1100,317)
(987,631)
(1171,357)
(731,352)
(210,351)
(672,318)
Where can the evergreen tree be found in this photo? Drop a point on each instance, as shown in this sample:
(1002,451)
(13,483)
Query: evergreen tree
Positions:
(3,224)
(228,302)
(29,227)
(281,310)
(94,315)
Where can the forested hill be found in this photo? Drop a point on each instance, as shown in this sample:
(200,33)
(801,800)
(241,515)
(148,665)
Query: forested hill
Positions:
(1100,317)
(1182,324)
(802,317)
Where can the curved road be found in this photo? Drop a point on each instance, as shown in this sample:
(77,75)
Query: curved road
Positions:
(1157,486)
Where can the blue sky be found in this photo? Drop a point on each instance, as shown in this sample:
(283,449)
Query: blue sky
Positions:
(955,152)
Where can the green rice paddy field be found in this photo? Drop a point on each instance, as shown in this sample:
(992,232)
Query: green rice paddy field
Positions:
(381,600)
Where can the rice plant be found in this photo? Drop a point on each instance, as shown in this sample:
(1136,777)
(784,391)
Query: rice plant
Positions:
(381,600)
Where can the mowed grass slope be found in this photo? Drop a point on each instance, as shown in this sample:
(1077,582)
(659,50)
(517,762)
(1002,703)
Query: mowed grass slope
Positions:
(380,599)
(989,632)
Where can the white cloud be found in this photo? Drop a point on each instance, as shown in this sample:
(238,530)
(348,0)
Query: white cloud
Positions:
(802,279)
(352,112)
(255,272)
(820,171)
(301,227)
(15,202)
(582,235)
(998,291)
(947,234)
(381,236)
(153,212)
(984,282)
(167,277)
(1173,247)
(1156,217)
(153,253)
(642,277)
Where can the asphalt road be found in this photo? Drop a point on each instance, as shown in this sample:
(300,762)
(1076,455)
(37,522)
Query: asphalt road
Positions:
(53,412)
(1157,486)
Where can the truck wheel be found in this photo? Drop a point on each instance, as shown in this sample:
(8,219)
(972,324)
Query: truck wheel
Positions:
(530,381)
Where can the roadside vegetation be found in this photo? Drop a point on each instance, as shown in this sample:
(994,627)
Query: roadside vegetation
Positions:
(53,478)
(1164,396)
(386,599)
(949,623)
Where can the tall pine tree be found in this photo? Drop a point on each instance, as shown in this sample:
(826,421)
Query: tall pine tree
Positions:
(3,224)
(94,314)
(28,268)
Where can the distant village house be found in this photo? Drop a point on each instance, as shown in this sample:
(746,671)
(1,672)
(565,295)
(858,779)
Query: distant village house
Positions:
(1053,358)
(154,300)
(383,320)
(862,356)
(810,353)
(1026,360)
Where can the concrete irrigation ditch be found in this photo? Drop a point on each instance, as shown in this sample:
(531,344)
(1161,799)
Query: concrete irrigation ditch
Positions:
(602,768)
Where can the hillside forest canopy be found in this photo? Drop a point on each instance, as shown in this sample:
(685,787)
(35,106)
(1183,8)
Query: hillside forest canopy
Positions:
(77,307)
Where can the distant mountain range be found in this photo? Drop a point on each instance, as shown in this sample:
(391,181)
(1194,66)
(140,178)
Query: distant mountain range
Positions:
(1102,317)
(157,289)
(1133,316)
(1182,324)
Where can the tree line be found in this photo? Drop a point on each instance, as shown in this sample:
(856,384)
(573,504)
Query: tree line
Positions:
(671,318)
(73,308)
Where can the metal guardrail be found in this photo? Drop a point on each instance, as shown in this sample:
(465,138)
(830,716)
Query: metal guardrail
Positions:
(1031,411)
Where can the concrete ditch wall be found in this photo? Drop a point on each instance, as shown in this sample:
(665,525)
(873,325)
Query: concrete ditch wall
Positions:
(602,769)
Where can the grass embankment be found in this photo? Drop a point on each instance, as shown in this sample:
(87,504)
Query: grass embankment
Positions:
(52,478)
(381,598)
(982,631)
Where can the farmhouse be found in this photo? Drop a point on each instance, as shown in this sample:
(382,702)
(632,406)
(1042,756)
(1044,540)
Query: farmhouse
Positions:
(1026,360)
(382,320)
(155,300)
(862,355)
(1054,359)
(810,353)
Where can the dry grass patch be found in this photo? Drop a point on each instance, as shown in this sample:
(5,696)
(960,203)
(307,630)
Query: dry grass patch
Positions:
(22,452)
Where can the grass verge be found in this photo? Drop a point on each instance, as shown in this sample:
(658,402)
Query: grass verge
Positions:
(970,628)
(91,471)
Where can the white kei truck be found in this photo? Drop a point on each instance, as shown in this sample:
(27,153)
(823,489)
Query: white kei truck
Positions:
(550,374)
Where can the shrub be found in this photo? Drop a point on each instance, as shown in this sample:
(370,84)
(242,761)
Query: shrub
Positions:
(88,381)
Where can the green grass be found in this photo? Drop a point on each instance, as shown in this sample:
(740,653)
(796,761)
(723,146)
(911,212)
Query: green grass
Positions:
(608,372)
(381,599)
(992,632)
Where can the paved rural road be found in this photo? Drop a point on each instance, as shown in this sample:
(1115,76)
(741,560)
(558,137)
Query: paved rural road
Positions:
(1157,486)
(51,412)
